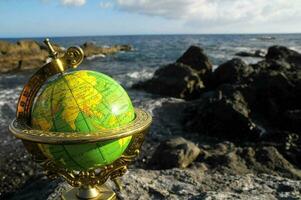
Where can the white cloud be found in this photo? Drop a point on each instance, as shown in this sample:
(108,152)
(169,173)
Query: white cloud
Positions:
(73,2)
(105,4)
(216,12)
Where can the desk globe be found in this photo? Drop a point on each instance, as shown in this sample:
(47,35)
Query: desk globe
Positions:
(83,102)
(79,125)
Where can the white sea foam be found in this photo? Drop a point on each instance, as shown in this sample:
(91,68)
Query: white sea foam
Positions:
(296,48)
(151,104)
(143,74)
(251,60)
(96,56)
(48,60)
(9,95)
(133,77)
(8,101)
(8,76)
(247,49)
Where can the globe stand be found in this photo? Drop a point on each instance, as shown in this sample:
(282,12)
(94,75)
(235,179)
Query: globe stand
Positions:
(88,192)
(88,184)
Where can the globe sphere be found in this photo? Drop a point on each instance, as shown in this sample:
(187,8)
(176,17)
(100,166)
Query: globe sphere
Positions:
(83,102)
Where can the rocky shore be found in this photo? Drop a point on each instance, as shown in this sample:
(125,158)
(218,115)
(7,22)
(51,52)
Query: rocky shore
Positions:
(257,107)
(229,133)
(29,54)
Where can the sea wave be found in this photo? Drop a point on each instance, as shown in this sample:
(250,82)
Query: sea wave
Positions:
(8,101)
(263,38)
(151,104)
(96,56)
(143,74)
(296,48)
(251,60)
(133,77)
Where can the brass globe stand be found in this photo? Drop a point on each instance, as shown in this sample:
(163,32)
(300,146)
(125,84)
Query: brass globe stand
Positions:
(88,184)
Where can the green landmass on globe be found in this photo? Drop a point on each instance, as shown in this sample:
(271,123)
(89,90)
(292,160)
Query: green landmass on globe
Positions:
(83,101)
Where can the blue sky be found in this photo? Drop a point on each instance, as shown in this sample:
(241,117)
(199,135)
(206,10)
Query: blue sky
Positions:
(39,18)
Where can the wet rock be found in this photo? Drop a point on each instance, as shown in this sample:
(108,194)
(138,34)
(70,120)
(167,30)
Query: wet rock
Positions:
(29,190)
(199,61)
(280,52)
(224,114)
(196,59)
(175,152)
(271,93)
(175,80)
(187,78)
(256,54)
(91,49)
(29,54)
(284,53)
(270,159)
(293,120)
(287,143)
(232,71)
(22,55)
(277,65)
(258,158)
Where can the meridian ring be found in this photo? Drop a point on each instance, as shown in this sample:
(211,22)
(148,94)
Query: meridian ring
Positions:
(21,130)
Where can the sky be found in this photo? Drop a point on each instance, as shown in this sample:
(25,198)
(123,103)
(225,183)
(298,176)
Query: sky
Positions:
(40,18)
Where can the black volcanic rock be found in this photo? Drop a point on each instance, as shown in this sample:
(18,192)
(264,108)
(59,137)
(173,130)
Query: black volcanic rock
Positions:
(284,53)
(271,93)
(91,49)
(293,119)
(266,65)
(176,80)
(196,59)
(251,100)
(186,79)
(225,114)
(30,54)
(280,52)
(175,152)
(257,53)
(232,71)
(226,156)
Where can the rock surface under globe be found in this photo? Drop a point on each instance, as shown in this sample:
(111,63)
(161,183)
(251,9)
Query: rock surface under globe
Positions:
(83,101)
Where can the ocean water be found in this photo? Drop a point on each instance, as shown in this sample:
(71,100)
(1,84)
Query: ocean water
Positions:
(150,52)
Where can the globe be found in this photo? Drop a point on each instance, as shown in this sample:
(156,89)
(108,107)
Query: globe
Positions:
(83,102)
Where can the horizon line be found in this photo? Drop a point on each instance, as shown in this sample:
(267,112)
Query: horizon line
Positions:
(151,34)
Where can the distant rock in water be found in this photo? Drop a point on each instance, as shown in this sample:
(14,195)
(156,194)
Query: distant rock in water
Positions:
(266,38)
(29,54)
(186,79)
(21,55)
(175,152)
(256,54)
(91,49)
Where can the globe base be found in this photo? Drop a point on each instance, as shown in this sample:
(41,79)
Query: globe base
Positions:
(90,193)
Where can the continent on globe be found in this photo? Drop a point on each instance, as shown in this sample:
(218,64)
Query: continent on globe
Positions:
(83,101)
